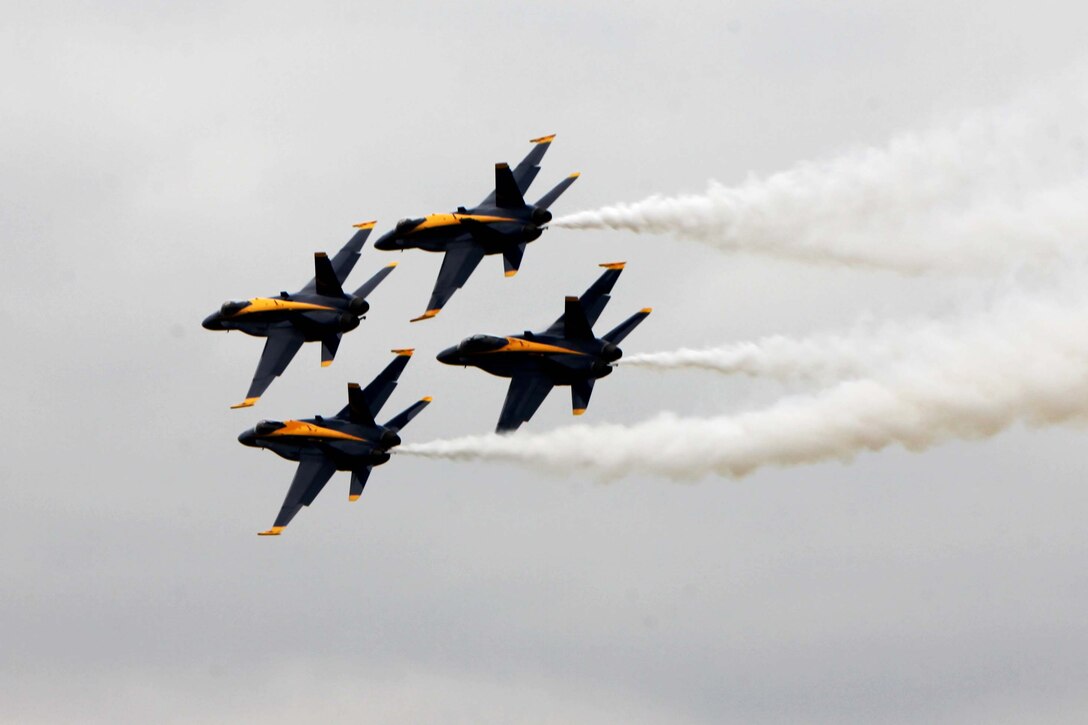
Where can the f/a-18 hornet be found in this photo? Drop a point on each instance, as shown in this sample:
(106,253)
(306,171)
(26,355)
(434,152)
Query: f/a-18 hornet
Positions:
(319,311)
(349,441)
(503,224)
(567,353)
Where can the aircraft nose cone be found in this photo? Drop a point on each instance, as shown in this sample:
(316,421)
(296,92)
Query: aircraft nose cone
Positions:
(448,356)
(211,322)
(386,242)
(247,438)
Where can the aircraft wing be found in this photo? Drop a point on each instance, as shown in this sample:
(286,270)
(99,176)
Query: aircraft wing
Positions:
(313,472)
(527,391)
(279,349)
(594,299)
(365,403)
(526,171)
(458,265)
(345,259)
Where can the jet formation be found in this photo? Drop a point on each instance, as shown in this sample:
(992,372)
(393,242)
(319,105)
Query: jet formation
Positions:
(351,440)
(320,311)
(503,223)
(567,353)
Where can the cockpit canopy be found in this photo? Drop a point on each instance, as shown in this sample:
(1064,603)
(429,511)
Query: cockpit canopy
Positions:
(233,308)
(265,427)
(405,224)
(481,343)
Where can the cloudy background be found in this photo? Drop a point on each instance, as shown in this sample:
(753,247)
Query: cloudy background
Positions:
(159,158)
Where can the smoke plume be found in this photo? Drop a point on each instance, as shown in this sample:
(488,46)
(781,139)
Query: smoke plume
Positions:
(998,189)
(1031,369)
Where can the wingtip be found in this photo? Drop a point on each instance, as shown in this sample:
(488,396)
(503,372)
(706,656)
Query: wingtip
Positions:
(274,531)
(613,265)
(247,403)
(405,351)
(426,315)
(543,139)
(366,225)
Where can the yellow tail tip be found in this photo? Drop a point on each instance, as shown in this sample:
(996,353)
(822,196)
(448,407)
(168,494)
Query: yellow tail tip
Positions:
(646,310)
(407,351)
(613,265)
(543,139)
(426,399)
(578,411)
(326,363)
(575,175)
(274,531)
(366,225)
(511,272)
(392,264)
(353,497)
(426,315)
(247,403)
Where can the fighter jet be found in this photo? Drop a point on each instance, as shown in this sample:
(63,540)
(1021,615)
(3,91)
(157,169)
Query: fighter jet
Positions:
(349,441)
(567,353)
(319,311)
(503,223)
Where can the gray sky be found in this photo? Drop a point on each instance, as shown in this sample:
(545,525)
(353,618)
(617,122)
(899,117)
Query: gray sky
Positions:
(157,158)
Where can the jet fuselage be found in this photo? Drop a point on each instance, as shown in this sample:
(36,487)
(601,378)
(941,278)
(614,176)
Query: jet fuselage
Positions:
(502,229)
(562,360)
(348,445)
(315,316)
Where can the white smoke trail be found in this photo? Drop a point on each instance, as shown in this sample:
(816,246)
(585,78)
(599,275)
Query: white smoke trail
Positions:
(999,189)
(1034,371)
(864,351)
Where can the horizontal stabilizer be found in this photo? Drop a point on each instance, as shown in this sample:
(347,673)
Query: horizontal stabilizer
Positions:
(367,287)
(358,481)
(549,198)
(507,193)
(404,417)
(329,346)
(511,259)
(624,328)
(579,395)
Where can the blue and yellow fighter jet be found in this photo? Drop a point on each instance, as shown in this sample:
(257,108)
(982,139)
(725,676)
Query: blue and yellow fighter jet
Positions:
(319,311)
(349,441)
(503,224)
(567,353)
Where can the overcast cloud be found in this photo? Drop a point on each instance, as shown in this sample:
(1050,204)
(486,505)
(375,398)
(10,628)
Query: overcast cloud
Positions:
(159,158)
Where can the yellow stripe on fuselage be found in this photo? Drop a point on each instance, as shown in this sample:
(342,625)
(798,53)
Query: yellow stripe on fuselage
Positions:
(437,221)
(516,344)
(309,430)
(273,304)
